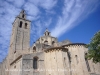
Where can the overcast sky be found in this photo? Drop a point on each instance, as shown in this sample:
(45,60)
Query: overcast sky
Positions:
(75,20)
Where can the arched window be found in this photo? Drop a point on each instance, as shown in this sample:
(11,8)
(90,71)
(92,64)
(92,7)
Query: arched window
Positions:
(20,25)
(46,42)
(76,57)
(23,16)
(34,49)
(69,56)
(64,61)
(35,62)
(87,63)
(48,33)
(53,43)
(25,25)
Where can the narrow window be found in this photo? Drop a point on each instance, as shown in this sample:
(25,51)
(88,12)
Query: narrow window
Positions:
(23,16)
(25,25)
(76,57)
(14,66)
(35,63)
(64,61)
(53,43)
(48,33)
(20,25)
(87,63)
(69,56)
(34,49)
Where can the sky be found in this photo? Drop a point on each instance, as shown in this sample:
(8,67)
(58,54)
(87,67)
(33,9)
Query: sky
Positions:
(74,20)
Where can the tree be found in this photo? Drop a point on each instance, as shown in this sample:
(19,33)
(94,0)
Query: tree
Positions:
(94,48)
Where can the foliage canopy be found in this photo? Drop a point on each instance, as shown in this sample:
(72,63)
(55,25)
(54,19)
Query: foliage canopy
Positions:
(94,48)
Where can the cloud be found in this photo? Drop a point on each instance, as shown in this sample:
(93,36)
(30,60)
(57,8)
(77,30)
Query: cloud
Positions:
(46,4)
(55,15)
(74,11)
(7,16)
(48,23)
(31,9)
(17,3)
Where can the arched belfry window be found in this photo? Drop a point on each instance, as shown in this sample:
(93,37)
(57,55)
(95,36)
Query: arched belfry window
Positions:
(46,42)
(87,63)
(35,62)
(48,33)
(20,25)
(25,25)
(22,15)
(34,49)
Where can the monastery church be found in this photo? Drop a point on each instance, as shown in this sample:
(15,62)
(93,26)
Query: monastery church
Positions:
(46,56)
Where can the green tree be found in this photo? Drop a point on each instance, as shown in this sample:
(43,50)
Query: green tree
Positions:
(94,48)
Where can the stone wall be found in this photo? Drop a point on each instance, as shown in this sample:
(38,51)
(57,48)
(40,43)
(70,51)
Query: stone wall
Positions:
(79,63)
(27,64)
(56,61)
(16,67)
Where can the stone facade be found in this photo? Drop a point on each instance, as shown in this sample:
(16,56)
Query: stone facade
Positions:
(47,56)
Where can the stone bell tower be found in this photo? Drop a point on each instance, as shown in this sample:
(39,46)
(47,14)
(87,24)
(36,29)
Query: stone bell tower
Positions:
(20,38)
